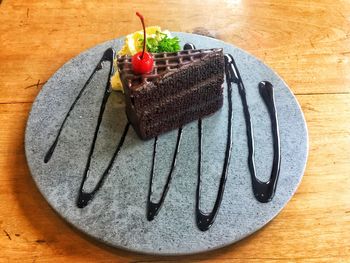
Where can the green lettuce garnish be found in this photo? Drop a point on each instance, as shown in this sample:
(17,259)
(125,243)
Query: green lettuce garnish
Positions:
(162,43)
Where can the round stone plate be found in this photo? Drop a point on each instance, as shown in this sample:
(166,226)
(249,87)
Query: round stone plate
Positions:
(117,214)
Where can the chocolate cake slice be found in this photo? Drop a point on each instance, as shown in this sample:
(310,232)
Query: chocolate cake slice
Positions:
(182,87)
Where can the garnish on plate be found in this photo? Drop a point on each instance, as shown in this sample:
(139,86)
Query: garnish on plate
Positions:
(156,41)
(161,42)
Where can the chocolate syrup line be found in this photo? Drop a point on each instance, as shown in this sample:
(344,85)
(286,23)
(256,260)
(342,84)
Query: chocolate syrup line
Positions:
(84,197)
(189,46)
(205,220)
(263,191)
(107,56)
(153,208)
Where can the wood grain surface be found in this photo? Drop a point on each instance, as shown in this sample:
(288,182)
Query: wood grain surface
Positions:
(306,42)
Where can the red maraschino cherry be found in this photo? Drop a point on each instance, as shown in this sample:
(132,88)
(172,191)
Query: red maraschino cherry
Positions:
(142,62)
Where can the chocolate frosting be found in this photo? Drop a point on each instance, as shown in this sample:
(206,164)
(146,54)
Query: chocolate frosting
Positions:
(163,63)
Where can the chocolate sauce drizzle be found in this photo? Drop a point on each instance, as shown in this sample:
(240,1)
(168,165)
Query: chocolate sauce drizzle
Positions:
(189,46)
(107,56)
(263,191)
(83,197)
(153,208)
(205,220)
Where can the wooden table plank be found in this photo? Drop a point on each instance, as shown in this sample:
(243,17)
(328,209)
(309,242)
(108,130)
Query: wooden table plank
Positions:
(313,227)
(37,37)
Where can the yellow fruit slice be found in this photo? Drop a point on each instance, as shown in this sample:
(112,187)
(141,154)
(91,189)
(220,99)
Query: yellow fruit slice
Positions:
(131,44)
(152,30)
(124,51)
(134,41)
(116,83)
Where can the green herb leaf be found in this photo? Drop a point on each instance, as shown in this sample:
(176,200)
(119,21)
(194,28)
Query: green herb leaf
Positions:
(162,43)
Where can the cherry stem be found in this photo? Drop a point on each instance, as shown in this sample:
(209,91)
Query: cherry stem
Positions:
(144,33)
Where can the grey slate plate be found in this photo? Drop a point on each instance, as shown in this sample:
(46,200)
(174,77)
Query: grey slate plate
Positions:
(117,215)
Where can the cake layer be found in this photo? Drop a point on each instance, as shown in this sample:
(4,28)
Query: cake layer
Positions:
(196,96)
(147,130)
(209,86)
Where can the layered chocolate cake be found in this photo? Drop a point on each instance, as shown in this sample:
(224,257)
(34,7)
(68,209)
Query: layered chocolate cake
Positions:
(183,86)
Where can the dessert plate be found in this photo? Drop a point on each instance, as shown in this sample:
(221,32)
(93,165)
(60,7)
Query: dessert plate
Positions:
(117,214)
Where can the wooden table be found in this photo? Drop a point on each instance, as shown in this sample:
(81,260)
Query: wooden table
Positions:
(306,42)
